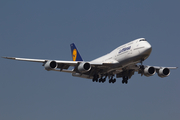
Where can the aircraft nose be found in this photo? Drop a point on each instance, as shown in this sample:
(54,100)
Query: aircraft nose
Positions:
(148,48)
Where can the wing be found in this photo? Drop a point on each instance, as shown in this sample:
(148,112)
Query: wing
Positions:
(158,67)
(92,68)
(151,70)
(62,65)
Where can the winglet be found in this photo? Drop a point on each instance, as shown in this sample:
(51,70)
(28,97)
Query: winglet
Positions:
(75,54)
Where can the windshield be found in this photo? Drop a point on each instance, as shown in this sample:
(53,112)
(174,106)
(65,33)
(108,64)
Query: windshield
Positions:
(142,40)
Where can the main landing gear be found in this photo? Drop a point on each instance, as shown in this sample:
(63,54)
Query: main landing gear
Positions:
(111,80)
(125,80)
(97,79)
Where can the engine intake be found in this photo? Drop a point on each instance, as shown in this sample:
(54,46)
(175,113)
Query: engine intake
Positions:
(50,65)
(84,67)
(163,72)
(149,71)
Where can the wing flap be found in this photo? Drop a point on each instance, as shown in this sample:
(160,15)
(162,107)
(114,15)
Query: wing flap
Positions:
(70,63)
(63,66)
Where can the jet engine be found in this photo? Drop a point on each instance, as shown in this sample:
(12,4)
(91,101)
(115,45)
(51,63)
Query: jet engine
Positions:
(50,65)
(163,72)
(84,67)
(149,71)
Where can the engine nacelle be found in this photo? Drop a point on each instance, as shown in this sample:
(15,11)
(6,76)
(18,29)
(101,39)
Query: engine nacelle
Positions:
(149,71)
(163,72)
(84,67)
(50,65)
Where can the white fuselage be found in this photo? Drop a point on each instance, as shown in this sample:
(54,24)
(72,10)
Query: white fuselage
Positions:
(131,53)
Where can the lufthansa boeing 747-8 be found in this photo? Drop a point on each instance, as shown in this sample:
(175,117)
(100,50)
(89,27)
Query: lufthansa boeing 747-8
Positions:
(122,62)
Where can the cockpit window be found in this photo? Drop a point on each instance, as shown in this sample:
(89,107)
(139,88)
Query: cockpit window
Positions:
(142,40)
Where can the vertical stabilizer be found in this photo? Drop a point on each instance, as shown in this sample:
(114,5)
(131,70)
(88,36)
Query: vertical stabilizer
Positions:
(75,54)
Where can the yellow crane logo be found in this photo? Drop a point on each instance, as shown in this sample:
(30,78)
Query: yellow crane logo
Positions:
(74,55)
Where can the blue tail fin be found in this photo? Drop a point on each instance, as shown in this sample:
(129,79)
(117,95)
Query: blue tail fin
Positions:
(75,54)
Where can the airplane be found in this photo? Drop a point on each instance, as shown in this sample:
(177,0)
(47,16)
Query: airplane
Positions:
(122,62)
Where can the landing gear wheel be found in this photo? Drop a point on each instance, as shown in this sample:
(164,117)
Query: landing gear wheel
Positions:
(122,81)
(114,80)
(103,80)
(125,80)
(95,78)
(100,80)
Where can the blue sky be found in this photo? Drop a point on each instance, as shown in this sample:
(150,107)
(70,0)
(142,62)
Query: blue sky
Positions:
(45,29)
